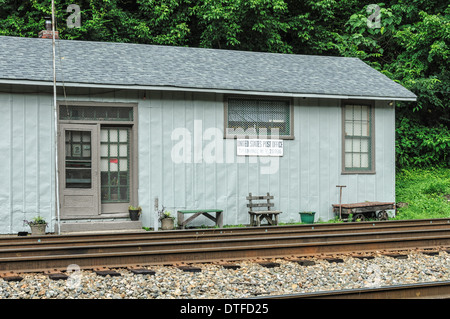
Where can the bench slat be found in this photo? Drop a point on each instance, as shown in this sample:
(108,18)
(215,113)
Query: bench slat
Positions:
(262,212)
(200,211)
(259,197)
(261,205)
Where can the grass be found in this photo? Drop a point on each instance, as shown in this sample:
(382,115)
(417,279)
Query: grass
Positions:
(425,192)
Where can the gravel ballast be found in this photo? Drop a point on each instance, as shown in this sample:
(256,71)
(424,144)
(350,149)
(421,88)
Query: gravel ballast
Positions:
(251,279)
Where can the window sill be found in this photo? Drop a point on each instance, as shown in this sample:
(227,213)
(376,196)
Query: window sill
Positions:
(358,172)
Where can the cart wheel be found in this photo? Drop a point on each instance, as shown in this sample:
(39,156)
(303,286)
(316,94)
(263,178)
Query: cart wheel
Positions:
(359,217)
(383,215)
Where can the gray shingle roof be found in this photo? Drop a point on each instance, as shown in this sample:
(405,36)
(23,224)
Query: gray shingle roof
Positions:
(120,64)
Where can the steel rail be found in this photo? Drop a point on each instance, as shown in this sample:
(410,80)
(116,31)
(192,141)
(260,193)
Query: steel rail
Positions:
(156,245)
(213,250)
(427,290)
(211,234)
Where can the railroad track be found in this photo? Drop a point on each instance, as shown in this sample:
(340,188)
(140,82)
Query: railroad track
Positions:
(214,233)
(50,252)
(427,290)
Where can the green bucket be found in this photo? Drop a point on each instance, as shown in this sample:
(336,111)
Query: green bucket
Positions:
(307,217)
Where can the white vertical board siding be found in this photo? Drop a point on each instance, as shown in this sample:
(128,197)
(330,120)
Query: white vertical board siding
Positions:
(305,180)
(27,157)
(307,174)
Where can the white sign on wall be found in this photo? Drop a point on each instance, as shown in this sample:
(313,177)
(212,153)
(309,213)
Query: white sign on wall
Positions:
(259,147)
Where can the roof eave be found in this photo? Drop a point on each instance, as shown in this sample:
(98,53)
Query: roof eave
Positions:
(204,90)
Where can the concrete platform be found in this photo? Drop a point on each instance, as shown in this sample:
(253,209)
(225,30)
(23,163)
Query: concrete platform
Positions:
(93,226)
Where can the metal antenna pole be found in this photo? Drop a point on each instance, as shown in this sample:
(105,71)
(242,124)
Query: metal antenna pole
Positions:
(56,120)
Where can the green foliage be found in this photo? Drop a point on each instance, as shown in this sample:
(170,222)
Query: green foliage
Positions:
(421,146)
(425,192)
(254,25)
(411,45)
(38,220)
(131,207)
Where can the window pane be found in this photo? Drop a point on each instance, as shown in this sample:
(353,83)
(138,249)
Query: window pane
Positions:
(365,160)
(348,160)
(349,128)
(364,145)
(113,150)
(356,160)
(95,113)
(123,150)
(263,117)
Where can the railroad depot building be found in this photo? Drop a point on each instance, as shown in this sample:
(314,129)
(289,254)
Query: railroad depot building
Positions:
(137,122)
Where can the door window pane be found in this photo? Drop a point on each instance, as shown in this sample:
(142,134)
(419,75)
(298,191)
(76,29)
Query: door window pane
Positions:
(95,113)
(78,159)
(114,164)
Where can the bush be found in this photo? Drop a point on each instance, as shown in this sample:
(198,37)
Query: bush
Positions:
(437,188)
(421,146)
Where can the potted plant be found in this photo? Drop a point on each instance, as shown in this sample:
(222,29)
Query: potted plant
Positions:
(134,212)
(307,217)
(37,225)
(167,220)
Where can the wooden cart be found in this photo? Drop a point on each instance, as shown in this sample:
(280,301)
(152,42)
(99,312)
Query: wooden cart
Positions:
(364,211)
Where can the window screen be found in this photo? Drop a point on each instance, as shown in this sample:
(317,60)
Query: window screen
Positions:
(358,138)
(258,117)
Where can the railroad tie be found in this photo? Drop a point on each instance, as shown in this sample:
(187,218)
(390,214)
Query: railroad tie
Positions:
(334,260)
(56,274)
(269,264)
(396,256)
(305,262)
(190,269)
(140,270)
(227,264)
(10,276)
(186,268)
(103,271)
(300,261)
(429,252)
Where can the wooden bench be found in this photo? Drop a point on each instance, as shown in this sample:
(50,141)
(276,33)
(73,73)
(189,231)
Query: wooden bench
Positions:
(256,216)
(218,220)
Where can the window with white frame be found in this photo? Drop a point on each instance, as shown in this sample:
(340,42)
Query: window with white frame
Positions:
(358,138)
(258,117)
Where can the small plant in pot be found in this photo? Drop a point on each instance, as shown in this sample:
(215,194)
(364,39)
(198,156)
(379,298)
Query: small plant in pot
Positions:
(134,212)
(37,225)
(167,220)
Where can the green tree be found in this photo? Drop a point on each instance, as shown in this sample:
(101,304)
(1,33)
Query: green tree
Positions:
(410,45)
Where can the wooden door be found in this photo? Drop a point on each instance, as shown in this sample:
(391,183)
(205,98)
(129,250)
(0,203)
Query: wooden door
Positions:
(79,174)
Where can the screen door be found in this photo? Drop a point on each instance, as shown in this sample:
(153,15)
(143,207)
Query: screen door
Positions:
(79,180)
